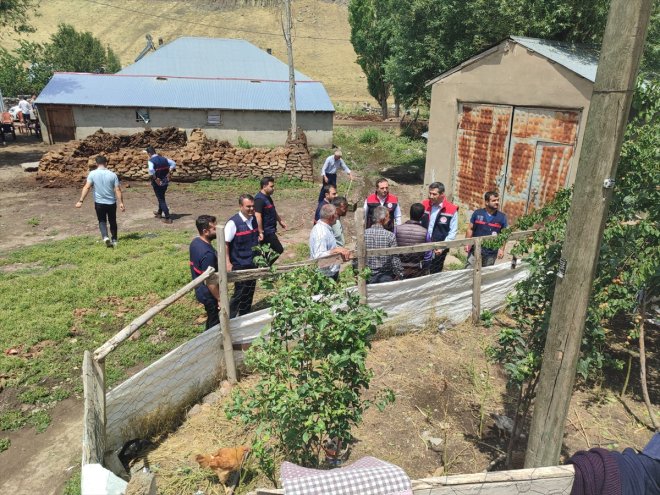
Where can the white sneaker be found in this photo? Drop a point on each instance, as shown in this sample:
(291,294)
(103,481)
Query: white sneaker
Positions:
(114,243)
(107,241)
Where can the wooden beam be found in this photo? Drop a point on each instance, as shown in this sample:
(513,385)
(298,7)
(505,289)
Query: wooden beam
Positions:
(131,328)
(257,273)
(476,282)
(94,418)
(620,54)
(227,345)
(361,253)
(418,248)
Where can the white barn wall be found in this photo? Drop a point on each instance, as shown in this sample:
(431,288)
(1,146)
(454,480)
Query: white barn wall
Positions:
(259,128)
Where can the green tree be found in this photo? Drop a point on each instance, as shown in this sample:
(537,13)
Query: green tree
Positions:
(73,51)
(371,33)
(432,36)
(15,13)
(312,370)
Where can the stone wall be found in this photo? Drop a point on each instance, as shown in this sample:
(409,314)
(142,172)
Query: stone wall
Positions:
(199,158)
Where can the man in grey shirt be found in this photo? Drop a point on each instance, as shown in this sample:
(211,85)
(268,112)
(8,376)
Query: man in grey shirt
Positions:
(341,205)
(107,192)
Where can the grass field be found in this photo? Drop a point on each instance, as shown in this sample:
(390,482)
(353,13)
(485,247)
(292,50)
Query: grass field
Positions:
(322,48)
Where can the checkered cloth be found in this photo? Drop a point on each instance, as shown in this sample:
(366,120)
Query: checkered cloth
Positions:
(367,476)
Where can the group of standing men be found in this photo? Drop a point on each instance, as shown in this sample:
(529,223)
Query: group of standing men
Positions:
(435,219)
(255,224)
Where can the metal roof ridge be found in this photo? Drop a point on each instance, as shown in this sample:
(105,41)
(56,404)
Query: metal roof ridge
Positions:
(192,77)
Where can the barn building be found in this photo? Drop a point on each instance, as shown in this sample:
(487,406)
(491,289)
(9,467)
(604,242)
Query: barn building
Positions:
(510,119)
(227,87)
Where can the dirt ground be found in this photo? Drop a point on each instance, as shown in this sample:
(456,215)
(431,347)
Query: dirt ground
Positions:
(445,389)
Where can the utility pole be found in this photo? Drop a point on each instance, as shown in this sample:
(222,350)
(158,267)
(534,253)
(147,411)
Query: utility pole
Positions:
(286,28)
(620,54)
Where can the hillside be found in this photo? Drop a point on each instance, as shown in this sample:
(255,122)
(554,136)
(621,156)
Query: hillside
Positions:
(123,25)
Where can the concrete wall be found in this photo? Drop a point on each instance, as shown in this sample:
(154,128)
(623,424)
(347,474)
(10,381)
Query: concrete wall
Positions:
(511,75)
(259,128)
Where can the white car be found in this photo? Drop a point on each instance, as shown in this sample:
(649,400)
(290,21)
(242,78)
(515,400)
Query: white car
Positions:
(14,112)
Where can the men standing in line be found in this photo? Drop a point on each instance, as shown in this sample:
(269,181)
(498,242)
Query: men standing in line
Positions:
(322,241)
(266,215)
(329,171)
(107,192)
(486,221)
(341,205)
(241,236)
(382,197)
(160,170)
(203,255)
(409,234)
(329,194)
(441,222)
(383,268)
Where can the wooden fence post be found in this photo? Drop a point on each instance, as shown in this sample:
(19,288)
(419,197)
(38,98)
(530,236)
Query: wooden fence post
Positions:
(361,253)
(224,307)
(94,417)
(476,282)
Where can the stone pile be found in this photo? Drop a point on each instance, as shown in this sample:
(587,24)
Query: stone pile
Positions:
(198,158)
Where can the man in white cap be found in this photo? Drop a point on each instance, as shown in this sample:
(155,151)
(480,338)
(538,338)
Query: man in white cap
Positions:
(329,171)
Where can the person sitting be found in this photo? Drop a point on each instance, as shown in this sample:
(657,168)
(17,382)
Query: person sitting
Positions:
(383,268)
(410,233)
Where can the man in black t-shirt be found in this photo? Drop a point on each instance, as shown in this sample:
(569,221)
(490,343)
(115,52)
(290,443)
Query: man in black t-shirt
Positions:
(267,217)
(203,255)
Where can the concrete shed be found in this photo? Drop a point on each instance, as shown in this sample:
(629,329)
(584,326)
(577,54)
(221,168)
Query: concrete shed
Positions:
(510,119)
(229,88)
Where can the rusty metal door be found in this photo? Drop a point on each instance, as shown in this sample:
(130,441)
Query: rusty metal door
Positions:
(482,144)
(61,126)
(542,145)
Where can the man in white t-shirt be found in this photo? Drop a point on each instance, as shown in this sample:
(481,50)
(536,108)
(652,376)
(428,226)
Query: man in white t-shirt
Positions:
(107,193)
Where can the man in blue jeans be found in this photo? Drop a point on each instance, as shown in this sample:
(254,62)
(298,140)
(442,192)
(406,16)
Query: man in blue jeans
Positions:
(107,192)
(160,169)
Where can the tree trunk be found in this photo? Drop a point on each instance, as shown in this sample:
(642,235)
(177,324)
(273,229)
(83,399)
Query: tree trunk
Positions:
(642,363)
(397,109)
(383,107)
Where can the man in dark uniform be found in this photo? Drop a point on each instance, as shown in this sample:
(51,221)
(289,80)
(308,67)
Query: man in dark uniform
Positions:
(160,169)
(441,221)
(382,197)
(241,236)
(329,194)
(203,255)
(484,222)
(267,217)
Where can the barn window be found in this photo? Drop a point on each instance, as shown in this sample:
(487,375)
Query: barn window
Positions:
(142,115)
(213,118)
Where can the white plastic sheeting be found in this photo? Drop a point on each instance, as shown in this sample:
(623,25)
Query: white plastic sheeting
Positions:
(194,367)
(96,480)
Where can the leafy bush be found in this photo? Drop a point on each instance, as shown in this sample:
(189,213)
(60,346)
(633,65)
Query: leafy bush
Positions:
(368,136)
(312,369)
(244,143)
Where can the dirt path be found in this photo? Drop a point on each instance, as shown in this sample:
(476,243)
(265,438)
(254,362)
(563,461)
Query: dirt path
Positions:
(42,463)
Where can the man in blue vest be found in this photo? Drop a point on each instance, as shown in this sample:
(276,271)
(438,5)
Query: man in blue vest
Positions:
(241,236)
(441,221)
(203,255)
(484,222)
(160,170)
(267,217)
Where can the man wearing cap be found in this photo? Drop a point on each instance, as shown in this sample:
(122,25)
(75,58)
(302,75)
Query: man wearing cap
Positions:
(329,171)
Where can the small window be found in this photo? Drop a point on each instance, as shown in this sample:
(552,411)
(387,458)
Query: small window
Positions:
(213,118)
(142,115)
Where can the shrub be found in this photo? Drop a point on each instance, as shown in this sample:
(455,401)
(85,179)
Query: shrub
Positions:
(369,136)
(312,369)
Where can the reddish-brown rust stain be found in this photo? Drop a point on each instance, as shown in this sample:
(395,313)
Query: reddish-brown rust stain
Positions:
(481,152)
(555,161)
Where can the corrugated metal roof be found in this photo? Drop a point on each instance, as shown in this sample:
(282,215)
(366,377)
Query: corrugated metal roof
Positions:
(581,59)
(114,90)
(212,57)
